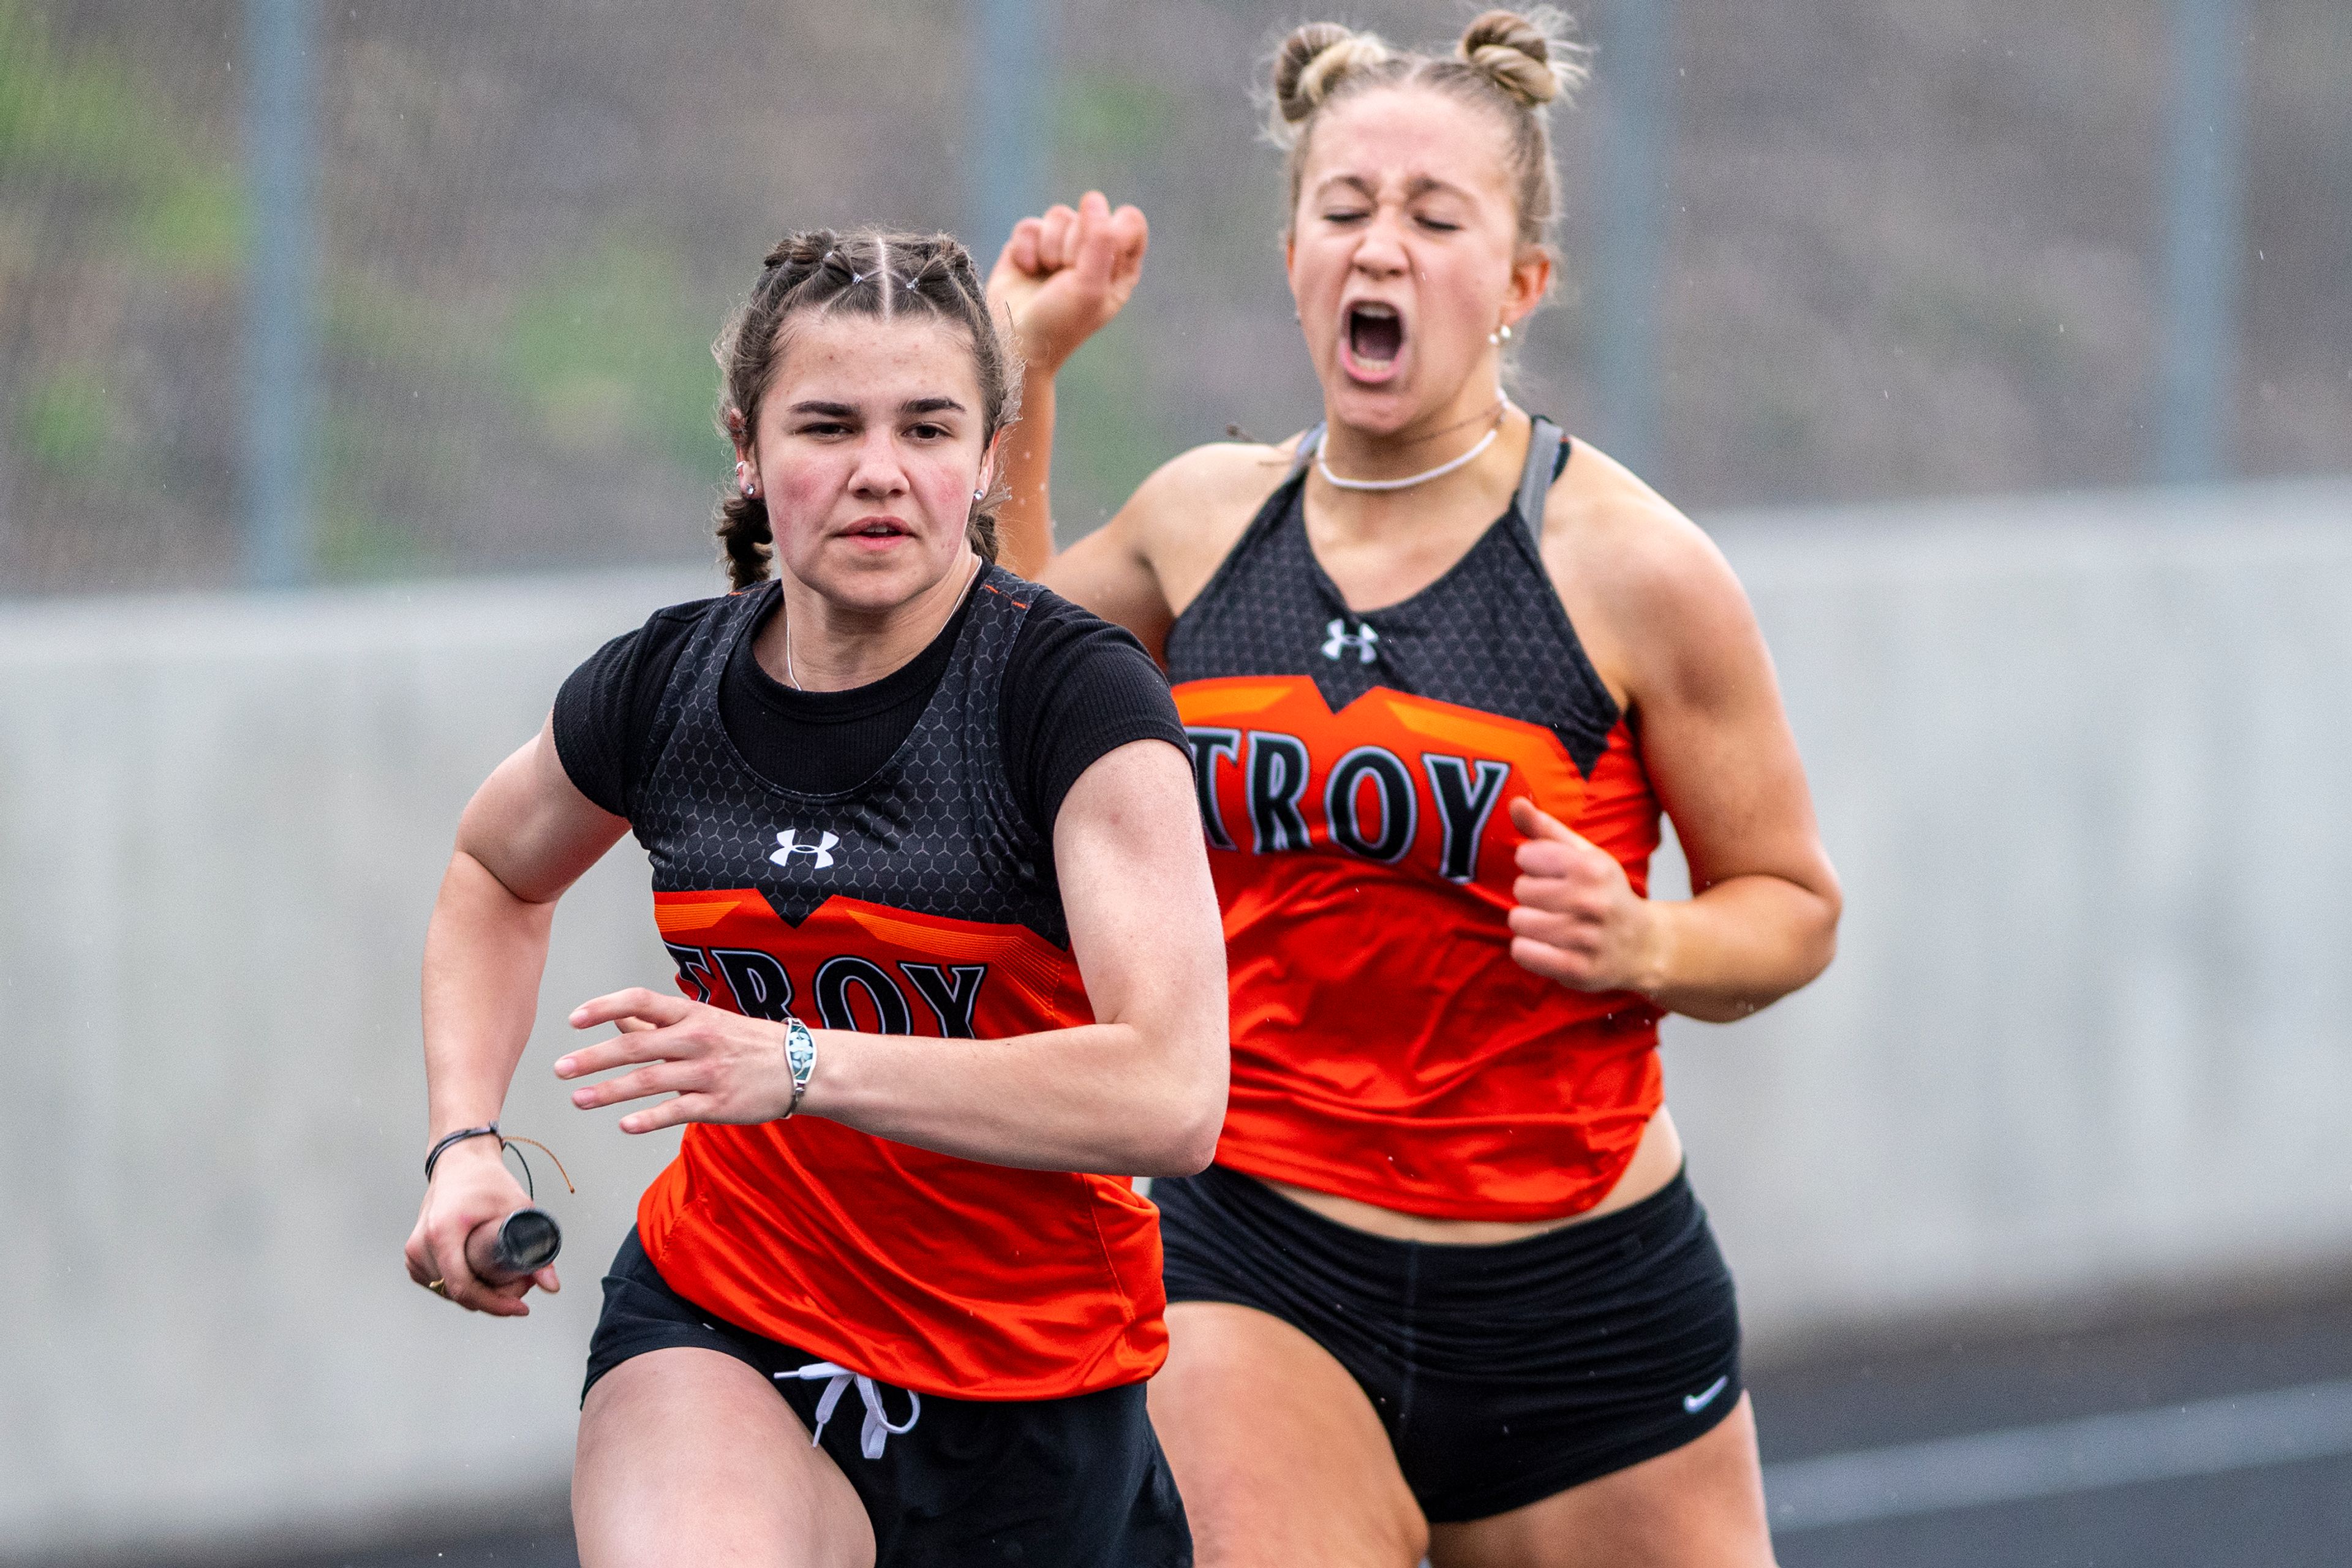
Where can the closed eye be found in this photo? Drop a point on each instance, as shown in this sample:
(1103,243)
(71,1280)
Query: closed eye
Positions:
(1345,214)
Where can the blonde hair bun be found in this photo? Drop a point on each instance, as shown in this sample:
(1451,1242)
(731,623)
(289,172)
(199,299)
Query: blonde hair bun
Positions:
(1526,55)
(1514,65)
(1312,61)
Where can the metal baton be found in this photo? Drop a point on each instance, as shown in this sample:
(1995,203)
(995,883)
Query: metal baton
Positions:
(524,1242)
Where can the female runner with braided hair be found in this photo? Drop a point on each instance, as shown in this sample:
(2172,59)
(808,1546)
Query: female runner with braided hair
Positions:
(944,817)
(1445,1287)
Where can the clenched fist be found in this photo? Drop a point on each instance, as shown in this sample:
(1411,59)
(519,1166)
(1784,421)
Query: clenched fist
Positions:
(470,1187)
(1578,919)
(1065,274)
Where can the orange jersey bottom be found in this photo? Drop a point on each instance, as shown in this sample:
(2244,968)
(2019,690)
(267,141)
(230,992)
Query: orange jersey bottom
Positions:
(1415,1091)
(929,1272)
(943,1275)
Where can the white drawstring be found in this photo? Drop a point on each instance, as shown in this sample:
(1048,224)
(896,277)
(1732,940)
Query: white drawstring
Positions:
(878,1429)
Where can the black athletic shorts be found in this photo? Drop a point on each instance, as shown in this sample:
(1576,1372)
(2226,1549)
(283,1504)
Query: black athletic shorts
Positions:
(1504,1374)
(1050,1483)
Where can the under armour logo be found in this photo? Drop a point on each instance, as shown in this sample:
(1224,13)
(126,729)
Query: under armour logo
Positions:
(1365,641)
(787,844)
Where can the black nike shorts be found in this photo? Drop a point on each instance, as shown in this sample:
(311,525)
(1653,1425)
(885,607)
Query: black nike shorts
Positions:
(1050,1483)
(1504,1374)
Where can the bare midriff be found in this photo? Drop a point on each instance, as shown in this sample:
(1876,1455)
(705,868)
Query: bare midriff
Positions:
(1655,1160)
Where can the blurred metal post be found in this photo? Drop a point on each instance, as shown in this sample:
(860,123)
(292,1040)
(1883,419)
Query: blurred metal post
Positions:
(2202,243)
(280,160)
(1636,67)
(1004,153)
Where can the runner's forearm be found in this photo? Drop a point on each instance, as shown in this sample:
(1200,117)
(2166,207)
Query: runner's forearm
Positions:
(484,954)
(1739,946)
(1026,537)
(1105,1097)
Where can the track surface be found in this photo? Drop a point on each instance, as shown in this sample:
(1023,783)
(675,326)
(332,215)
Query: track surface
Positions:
(2283,1515)
(2278,1514)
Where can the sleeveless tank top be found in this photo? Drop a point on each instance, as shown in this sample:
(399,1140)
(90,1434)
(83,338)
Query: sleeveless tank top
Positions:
(1354,769)
(918,903)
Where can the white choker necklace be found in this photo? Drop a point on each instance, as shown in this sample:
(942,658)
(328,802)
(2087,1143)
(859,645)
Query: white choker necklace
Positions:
(1410,480)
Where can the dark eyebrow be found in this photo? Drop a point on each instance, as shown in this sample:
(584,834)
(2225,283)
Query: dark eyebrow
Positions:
(849,410)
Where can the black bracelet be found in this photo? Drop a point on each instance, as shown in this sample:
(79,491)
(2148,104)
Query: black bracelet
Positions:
(459,1136)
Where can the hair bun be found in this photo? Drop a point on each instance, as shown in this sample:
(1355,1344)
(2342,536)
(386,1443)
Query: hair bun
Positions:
(1312,61)
(806,248)
(1518,54)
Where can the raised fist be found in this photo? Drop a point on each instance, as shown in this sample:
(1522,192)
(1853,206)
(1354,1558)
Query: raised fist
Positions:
(1065,274)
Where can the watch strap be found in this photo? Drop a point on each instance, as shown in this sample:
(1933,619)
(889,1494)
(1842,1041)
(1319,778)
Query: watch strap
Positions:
(800,1055)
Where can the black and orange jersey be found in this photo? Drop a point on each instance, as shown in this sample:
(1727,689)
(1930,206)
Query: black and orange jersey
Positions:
(1353,771)
(922,903)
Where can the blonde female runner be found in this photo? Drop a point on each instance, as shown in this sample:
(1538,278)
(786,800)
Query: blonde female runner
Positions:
(1445,1289)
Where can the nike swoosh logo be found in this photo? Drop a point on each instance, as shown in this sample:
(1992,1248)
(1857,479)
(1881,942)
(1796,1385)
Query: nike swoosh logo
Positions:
(1695,1403)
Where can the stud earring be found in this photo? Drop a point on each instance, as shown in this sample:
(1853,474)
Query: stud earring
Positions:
(1500,335)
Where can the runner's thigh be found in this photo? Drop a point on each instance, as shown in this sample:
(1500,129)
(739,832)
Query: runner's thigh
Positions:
(689,1457)
(1699,1506)
(1278,1455)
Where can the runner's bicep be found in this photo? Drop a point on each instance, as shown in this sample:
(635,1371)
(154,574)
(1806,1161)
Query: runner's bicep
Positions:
(531,828)
(1716,741)
(1142,912)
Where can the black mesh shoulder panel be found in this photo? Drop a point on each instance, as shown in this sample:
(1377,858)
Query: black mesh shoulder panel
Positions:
(1491,634)
(935,831)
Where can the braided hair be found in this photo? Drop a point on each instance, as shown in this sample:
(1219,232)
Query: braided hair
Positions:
(884,276)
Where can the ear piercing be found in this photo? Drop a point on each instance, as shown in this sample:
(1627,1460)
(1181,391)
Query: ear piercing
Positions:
(1501,334)
(743,477)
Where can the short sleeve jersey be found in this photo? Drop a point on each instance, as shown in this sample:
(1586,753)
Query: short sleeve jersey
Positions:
(919,897)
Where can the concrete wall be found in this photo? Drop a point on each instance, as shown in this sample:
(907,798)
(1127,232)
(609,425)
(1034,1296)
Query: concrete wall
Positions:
(222,823)
(2079,761)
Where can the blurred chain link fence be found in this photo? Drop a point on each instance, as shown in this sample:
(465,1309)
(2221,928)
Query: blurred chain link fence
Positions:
(1901,247)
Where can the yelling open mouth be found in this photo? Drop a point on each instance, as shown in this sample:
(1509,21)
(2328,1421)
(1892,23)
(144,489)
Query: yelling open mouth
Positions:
(1375,332)
(1372,338)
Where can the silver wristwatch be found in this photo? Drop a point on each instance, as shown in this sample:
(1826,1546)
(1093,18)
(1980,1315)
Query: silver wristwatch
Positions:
(800,1055)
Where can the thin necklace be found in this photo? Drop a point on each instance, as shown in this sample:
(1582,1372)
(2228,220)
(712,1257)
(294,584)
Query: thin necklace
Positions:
(795,681)
(1323,443)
